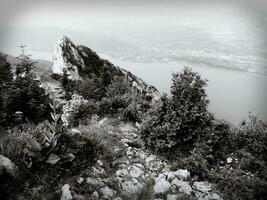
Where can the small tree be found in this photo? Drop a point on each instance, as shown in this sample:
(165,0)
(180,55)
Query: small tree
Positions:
(27,96)
(181,119)
(25,65)
(189,105)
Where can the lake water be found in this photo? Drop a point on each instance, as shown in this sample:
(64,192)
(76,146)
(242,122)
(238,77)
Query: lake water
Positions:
(232,94)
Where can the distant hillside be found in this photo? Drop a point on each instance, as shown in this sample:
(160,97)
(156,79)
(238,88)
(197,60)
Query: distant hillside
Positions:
(42,66)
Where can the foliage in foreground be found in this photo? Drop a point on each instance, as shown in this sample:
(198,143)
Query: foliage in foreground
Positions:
(48,156)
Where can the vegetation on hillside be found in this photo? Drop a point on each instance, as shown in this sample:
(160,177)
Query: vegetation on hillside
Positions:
(177,127)
(22,98)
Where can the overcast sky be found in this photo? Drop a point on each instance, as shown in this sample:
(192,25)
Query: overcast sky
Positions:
(60,12)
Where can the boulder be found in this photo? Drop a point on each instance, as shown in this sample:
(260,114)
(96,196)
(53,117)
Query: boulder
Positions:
(182,186)
(172,197)
(95,195)
(107,192)
(7,166)
(136,172)
(161,185)
(66,193)
(131,186)
(202,186)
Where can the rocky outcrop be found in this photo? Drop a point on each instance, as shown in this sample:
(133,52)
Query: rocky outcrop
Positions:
(66,57)
(7,166)
(81,62)
(66,193)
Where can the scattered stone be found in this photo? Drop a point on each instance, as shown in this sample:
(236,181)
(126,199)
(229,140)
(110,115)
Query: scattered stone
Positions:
(7,166)
(229,160)
(139,165)
(150,158)
(102,121)
(182,174)
(122,172)
(95,195)
(172,197)
(99,171)
(161,185)
(99,162)
(94,182)
(215,196)
(53,159)
(136,172)
(202,186)
(107,192)
(65,192)
(207,196)
(182,186)
(75,131)
(80,180)
(79,197)
(131,187)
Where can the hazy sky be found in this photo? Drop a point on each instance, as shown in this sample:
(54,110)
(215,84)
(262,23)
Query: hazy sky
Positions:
(71,13)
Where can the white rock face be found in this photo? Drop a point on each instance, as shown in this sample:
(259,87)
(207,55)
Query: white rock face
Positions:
(7,166)
(65,192)
(71,107)
(65,46)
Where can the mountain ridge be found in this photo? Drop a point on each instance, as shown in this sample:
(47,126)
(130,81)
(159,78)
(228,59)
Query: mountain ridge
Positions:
(80,62)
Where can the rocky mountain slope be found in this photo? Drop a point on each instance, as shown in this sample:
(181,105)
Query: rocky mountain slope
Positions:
(105,158)
(139,173)
(80,62)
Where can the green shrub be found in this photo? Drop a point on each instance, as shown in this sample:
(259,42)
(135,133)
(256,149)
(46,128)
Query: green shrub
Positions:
(215,142)
(251,136)
(236,184)
(183,119)
(92,88)
(120,98)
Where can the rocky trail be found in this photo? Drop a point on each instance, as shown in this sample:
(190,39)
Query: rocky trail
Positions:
(139,174)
